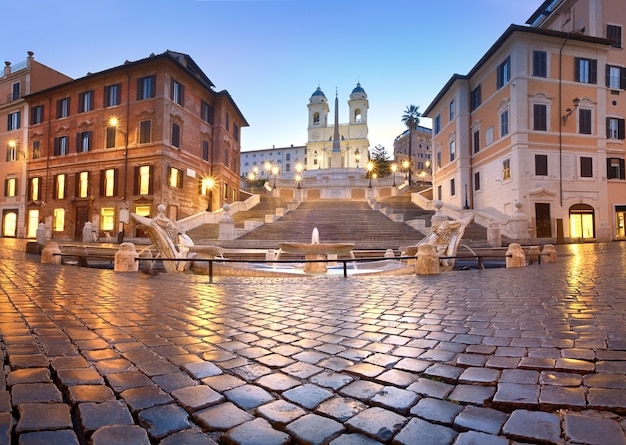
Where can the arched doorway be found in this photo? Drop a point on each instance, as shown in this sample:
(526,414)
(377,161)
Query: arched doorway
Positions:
(581,221)
(9,224)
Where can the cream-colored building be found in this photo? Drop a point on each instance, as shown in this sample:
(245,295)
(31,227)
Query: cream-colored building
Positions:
(535,130)
(420,158)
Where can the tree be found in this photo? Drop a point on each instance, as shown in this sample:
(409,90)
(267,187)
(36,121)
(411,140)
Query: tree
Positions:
(411,118)
(381,160)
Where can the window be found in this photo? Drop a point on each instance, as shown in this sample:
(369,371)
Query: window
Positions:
(439,194)
(146,87)
(107,219)
(61,146)
(585,70)
(541,165)
(177,92)
(475,98)
(143,180)
(586,167)
(37,115)
(112,95)
(452,151)
(145,132)
(236,132)
(82,184)
(34,189)
(206,112)
(83,142)
(12,151)
(438,159)
(63,108)
(584,121)
(33,223)
(437,124)
(13,121)
(227,121)
(36,149)
(540,64)
(10,187)
(59,220)
(452,187)
(451,110)
(614,34)
(615,168)
(504,123)
(489,136)
(15,91)
(540,117)
(110,137)
(59,186)
(476,139)
(503,73)
(85,101)
(476,181)
(205,150)
(108,182)
(176,135)
(175,177)
(506,169)
(614,128)
(615,77)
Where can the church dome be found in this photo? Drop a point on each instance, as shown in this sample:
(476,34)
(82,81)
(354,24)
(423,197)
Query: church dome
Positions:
(358,92)
(318,97)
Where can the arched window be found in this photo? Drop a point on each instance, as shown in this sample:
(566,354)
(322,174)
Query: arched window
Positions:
(316,118)
(357,115)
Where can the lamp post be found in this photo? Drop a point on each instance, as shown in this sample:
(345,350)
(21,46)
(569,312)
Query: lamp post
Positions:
(274,173)
(357,157)
(267,166)
(299,169)
(209,183)
(405,166)
(466,206)
(394,167)
(370,167)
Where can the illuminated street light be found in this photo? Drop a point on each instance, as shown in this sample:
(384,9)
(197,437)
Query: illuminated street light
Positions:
(405,165)
(208,184)
(274,173)
(299,168)
(370,167)
(394,167)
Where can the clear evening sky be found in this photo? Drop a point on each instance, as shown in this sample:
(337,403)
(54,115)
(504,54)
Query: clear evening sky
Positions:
(271,55)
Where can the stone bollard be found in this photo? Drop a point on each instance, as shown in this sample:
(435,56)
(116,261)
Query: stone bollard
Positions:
(533,254)
(48,253)
(226,227)
(87,233)
(389,253)
(427,260)
(125,259)
(515,256)
(549,254)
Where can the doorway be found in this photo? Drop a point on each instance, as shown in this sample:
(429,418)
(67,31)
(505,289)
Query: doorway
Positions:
(82,216)
(9,224)
(620,221)
(542,220)
(581,222)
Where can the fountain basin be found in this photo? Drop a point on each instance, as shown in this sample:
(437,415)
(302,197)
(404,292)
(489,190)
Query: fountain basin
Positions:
(316,252)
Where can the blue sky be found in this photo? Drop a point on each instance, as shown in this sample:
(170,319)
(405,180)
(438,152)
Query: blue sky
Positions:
(271,55)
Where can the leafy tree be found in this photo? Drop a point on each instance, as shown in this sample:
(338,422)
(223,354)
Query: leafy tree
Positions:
(411,118)
(381,160)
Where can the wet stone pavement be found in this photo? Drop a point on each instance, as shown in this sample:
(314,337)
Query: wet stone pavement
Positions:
(520,356)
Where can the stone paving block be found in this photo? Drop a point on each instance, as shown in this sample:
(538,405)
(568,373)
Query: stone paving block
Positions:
(61,437)
(5,402)
(80,376)
(191,436)
(574,365)
(248,396)
(43,416)
(354,439)
(378,423)
(251,372)
(557,378)
(218,356)
(531,426)
(472,394)
(397,377)
(443,371)
(341,408)
(335,363)
(74,362)
(435,355)
(6,427)
(418,431)
(280,412)
(163,420)
(311,357)
(90,393)
(361,389)
(476,418)
(171,382)
(517,395)
(312,429)
(605,398)
(413,365)
(611,367)
(100,354)
(112,366)
(329,379)
(365,370)
(35,393)
(521,376)
(144,397)
(592,430)
(96,415)
(19,361)
(256,432)
(308,395)
(201,370)
(396,399)
(479,376)
(157,367)
(471,359)
(302,370)
(478,438)
(277,382)
(28,375)
(126,380)
(562,397)
(439,411)
(431,388)
(120,435)
(223,382)
(605,381)
(503,362)
(193,398)
(221,417)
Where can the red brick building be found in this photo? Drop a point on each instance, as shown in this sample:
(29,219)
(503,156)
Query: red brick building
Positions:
(127,139)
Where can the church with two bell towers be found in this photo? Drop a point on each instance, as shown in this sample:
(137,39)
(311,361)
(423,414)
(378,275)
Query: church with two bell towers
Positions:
(335,145)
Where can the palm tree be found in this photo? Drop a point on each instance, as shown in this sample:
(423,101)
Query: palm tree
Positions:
(411,118)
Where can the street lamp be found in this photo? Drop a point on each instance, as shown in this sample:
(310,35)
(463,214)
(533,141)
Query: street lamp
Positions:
(370,167)
(267,166)
(209,183)
(299,168)
(357,157)
(405,165)
(274,173)
(394,167)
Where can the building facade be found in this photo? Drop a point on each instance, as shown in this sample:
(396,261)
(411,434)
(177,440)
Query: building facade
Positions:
(420,161)
(259,164)
(536,128)
(18,81)
(125,140)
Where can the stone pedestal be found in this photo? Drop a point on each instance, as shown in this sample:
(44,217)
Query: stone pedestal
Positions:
(40,234)
(125,259)
(515,256)
(518,225)
(533,254)
(427,260)
(494,235)
(48,253)
(226,225)
(549,254)
(87,233)
(315,267)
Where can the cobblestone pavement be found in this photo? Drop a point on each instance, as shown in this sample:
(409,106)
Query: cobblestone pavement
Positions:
(532,355)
